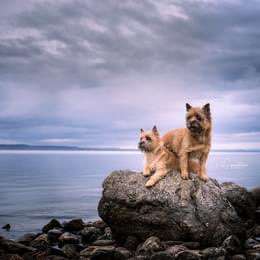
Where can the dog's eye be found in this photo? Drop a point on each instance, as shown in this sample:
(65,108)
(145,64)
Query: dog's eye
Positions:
(148,138)
(198,117)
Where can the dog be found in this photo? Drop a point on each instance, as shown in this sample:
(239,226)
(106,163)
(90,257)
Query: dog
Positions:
(157,158)
(193,142)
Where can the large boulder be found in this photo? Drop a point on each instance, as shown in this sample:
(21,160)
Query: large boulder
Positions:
(174,209)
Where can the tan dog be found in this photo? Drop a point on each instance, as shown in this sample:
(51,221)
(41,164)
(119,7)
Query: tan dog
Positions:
(192,143)
(158,159)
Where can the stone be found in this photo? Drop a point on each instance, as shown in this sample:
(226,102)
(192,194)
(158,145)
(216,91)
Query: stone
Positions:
(90,234)
(121,253)
(174,209)
(257,231)
(176,249)
(242,201)
(232,245)
(12,247)
(91,250)
(213,252)
(11,257)
(161,255)
(107,234)
(188,255)
(250,243)
(40,243)
(68,238)
(131,243)
(257,215)
(151,245)
(26,239)
(7,227)
(70,251)
(103,243)
(74,225)
(238,257)
(256,195)
(53,235)
(252,255)
(54,223)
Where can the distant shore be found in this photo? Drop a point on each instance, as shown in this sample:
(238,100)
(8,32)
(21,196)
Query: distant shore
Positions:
(27,147)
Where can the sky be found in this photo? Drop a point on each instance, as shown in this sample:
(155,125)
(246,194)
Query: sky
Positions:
(92,73)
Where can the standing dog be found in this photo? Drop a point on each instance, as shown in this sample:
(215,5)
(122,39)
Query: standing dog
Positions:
(193,142)
(158,159)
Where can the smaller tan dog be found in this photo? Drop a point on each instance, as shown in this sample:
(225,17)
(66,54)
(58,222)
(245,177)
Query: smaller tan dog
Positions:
(158,159)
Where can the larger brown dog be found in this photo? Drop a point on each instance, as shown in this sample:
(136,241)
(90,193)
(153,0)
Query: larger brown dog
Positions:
(192,142)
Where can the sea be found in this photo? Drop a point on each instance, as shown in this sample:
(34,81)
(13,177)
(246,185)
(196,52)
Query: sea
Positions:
(36,186)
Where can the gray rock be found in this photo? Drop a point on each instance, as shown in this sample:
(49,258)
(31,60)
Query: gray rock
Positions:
(250,243)
(188,255)
(131,243)
(68,238)
(162,255)
(11,257)
(151,245)
(26,238)
(70,251)
(121,253)
(173,209)
(238,257)
(103,242)
(74,225)
(54,223)
(175,250)
(90,234)
(232,245)
(40,243)
(242,201)
(252,255)
(257,231)
(12,247)
(213,252)
(256,195)
(53,235)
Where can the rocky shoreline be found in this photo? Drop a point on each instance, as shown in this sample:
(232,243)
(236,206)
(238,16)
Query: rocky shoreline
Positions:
(107,240)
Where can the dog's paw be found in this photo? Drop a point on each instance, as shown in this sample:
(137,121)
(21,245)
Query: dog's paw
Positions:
(149,184)
(146,173)
(204,177)
(185,176)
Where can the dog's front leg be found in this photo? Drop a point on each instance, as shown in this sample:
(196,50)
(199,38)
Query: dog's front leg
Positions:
(159,174)
(203,173)
(147,170)
(184,165)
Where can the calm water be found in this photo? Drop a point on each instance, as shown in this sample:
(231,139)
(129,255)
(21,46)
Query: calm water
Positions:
(38,186)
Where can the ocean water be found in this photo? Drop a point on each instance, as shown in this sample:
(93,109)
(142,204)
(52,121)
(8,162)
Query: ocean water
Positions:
(37,186)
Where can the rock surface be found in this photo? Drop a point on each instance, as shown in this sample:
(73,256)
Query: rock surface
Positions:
(173,209)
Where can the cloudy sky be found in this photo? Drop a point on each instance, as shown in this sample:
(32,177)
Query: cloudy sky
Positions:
(92,73)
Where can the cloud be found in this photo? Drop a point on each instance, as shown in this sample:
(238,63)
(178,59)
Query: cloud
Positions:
(94,73)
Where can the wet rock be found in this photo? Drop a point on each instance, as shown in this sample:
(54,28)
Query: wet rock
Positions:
(12,247)
(256,195)
(103,243)
(250,243)
(55,251)
(54,223)
(26,239)
(257,231)
(252,255)
(232,245)
(173,209)
(188,255)
(238,257)
(74,225)
(175,250)
(7,227)
(257,215)
(70,251)
(90,234)
(68,238)
(121,253)
(151,245)
(100,224)
(162,255)
(103,254)
(131,243)
(107,234)
(90,250)
(41,242)
(213,252)
(11,257)
(53,235)
(242,201)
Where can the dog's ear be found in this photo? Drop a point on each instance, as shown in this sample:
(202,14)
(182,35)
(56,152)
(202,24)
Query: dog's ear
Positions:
(155,131)
(188,107)
(206,110)
(141,130)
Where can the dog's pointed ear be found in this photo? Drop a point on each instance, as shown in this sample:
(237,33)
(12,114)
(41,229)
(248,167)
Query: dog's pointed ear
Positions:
(141,130)
(206,110)
(188,106)
(155,131)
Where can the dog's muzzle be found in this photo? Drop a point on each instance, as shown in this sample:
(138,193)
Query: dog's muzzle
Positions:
(194,127)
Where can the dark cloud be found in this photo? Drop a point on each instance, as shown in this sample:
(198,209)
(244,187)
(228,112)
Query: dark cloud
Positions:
(116,65)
